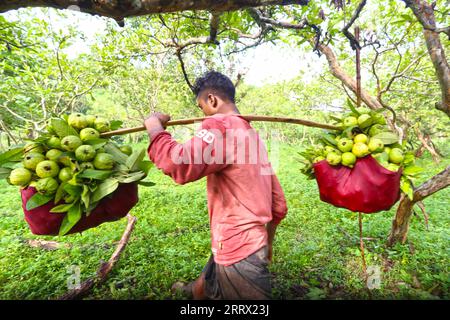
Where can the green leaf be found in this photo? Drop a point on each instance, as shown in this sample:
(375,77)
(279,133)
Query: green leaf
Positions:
(412,170)
(95,174)
(62,208)
(38,200)
(11,155)
(72,217)
(115,124)
(352,107)
(105,188)
(4,173)
(62,128)
(406,187)
(134,159)
(96,143)
(118,155)
(72,190)
(146,183)
(85,196)
(328,139)
(145,166)
(59,192)
(132,177)
(387,137)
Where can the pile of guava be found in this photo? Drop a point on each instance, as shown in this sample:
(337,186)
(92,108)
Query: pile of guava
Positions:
(362,132)
(71,165)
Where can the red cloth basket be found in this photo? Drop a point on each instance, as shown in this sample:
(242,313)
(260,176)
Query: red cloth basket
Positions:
(42,222)
(368,187)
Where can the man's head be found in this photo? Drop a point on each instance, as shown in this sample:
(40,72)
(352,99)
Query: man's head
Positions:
(215,93)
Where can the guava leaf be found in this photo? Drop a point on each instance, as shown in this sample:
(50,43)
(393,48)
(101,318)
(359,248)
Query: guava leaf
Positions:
(71,219)
(145,166)
(352,107)
(105,188)
(74,191)
(95,174)
(387,137)
(4,173)
(11,155)
(131,177)
(412,170)
(59,192)
(328,139)
(96,143)
(118,155)
(62,208)
(146,183)
(85,196)
(62,128)
(134,159)
(115,124)
(38,200)
(406,187)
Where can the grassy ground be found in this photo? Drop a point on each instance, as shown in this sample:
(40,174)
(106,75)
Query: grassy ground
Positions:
(316,254)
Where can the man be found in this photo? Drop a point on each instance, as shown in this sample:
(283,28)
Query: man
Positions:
(245,199)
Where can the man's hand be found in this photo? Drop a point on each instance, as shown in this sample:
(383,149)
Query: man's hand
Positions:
(156,122)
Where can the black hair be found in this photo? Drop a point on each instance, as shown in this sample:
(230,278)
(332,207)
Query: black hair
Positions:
(216,82)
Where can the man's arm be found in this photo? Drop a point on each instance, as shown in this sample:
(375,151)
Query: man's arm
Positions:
(186,162)
(279,211)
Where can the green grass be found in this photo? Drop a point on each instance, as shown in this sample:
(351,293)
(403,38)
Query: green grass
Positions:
(316,254)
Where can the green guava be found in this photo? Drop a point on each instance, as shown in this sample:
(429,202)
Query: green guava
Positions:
(328,149)
(317,159)
(381,157)
(362,110)
(362,138)
(364,121)
(54,142)
(86,165)
(378,118)
(33,147)
(345,145)
(396,155)
(71,143)
(20,177)
(31,160)
(85,153)
(103,161)
(65,174)
(77,120)
(392,167)
(89,134)
(126,149)
(333,158)
(350,122)
(376,145)
(348,159)
(376,129)
(53,154)
(90,120)
(47,168)
(47,186)
(360,149)
(102,125)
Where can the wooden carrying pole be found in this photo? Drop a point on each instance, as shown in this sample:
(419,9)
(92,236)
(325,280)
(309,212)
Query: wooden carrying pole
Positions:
(249,118)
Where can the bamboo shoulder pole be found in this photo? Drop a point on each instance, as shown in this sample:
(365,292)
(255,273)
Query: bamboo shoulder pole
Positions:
(249,118)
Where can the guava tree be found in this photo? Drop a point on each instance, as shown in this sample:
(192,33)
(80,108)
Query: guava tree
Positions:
(403,47)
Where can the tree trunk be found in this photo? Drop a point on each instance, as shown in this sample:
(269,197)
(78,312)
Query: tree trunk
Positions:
(400,223)
(126,8)
(424,12)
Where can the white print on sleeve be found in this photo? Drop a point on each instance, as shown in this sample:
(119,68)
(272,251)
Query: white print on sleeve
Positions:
(206,136)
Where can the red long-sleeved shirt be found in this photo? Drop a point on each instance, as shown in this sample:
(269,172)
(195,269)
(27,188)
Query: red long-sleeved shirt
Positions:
(243,192)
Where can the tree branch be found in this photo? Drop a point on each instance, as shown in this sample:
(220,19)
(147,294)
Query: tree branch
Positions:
(353,42)
(126,8)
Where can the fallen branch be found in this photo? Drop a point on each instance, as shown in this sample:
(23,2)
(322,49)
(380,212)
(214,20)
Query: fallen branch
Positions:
(105,268)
